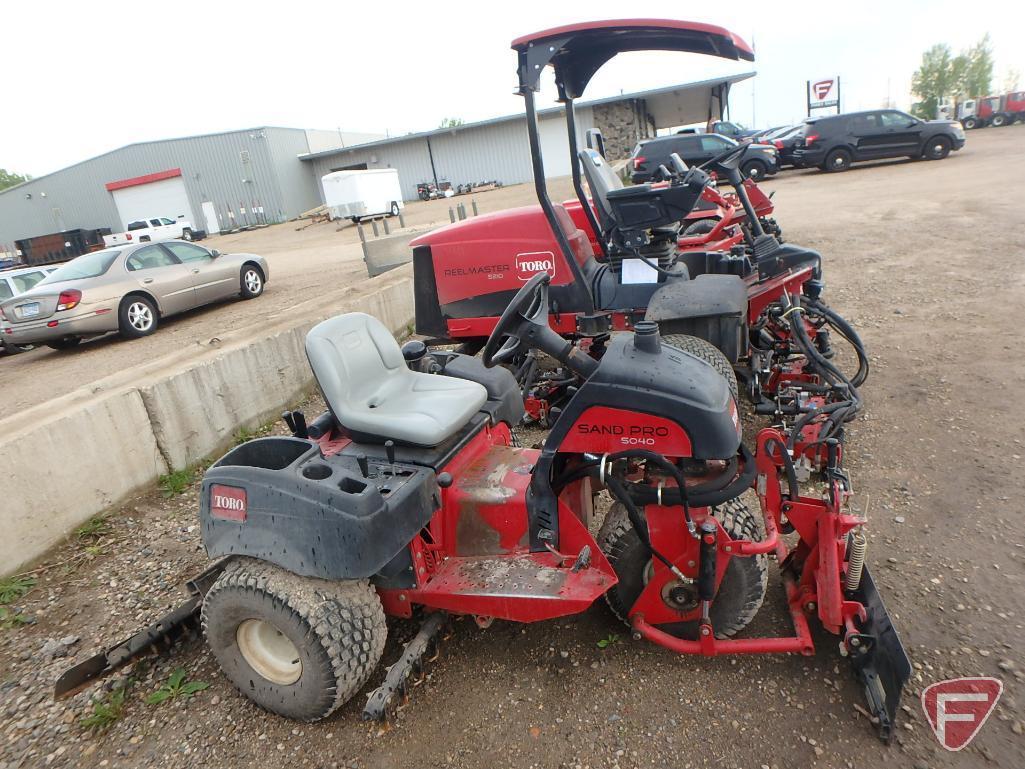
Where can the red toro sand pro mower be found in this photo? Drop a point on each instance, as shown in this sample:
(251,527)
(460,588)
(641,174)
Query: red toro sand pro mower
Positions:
(410,498)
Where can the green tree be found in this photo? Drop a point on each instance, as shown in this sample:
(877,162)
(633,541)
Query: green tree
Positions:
(9,178)
(451,122)
(1012,80)
(933,81)
(977,76)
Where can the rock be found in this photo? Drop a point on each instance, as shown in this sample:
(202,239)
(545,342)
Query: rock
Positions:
(69,640)
(898,519)
(1006,665)
(52,649)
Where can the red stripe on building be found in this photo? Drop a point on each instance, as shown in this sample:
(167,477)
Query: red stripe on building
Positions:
(136,181)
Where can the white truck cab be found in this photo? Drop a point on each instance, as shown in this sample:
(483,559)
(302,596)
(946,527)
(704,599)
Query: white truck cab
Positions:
(155,229)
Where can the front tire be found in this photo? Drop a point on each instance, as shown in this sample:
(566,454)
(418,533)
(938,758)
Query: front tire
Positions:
(837,161)
(937,148)
(296,646)
(394,209)
(187,234)
(999,120)
(970,123)
(137,317)
(251,281)
(709,353)
(700,227)
(740,593)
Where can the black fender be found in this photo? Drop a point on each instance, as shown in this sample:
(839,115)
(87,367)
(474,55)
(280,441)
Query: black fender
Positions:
(282,501)
(712,307)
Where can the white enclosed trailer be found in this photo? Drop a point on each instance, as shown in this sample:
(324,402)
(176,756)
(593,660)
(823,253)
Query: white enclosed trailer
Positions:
(362,194)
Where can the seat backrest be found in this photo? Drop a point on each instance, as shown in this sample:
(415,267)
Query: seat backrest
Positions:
(353,356)
(602,180)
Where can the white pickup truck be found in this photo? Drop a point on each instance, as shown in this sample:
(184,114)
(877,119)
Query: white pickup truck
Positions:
(146,230)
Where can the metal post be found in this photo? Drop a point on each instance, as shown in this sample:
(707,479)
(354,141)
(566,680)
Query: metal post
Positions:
(807,95)
(373,223)
(838,94)
(384,221)
(402,219)
(461,211)
(451,215)
(430,154)
(473,204)
(541,187)
(362,235)
(571,131)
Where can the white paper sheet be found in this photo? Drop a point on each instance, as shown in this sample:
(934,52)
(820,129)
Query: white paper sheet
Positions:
(638,271)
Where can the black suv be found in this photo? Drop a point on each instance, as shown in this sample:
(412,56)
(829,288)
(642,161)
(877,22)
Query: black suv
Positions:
(758,161)
(833,143)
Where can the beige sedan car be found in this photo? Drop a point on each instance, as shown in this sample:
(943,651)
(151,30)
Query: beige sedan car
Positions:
(127,289)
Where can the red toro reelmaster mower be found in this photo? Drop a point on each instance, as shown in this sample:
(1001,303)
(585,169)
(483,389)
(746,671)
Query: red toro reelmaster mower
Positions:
(410,498)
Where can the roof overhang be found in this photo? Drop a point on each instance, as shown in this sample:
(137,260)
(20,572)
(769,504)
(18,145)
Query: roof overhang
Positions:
(578,51)
(135,181)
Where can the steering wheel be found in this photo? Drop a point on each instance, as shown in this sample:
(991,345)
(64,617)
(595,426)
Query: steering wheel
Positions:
(726,159)
(518,324)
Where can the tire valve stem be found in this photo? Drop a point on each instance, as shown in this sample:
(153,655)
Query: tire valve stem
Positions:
(856,560)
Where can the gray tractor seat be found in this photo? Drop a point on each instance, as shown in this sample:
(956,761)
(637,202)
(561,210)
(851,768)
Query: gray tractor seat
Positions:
(372,393)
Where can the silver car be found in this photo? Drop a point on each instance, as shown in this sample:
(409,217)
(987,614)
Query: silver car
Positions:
(127,289)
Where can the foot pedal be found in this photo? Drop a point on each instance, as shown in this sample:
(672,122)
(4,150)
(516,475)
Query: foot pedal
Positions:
(408,670)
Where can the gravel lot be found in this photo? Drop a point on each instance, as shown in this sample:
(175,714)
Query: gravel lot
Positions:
(926,260)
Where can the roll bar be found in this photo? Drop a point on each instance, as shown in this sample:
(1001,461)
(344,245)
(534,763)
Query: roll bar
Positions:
(577,52)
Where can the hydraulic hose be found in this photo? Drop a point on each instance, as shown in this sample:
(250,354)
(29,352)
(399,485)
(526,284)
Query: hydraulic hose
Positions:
(700,495)
(842,327)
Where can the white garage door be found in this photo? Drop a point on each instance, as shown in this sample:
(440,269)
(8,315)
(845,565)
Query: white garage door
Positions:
(162,198)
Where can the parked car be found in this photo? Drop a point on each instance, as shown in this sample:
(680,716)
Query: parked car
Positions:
(129,289)
(14,282)
(152,231)
(758,161)
(785,142)
(833,143)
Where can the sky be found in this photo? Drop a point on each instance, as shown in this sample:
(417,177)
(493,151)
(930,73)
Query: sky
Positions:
(83,78)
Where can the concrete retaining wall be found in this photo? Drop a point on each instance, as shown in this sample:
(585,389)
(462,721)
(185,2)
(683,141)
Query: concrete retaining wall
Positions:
(71,462)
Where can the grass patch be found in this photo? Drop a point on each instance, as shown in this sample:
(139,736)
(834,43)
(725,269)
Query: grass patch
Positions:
(96,527)
(107,710)
(176,687)
(176,483)
(247,434)
(13,588)
(10,619)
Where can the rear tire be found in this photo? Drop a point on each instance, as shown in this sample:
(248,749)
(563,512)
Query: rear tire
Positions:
(700,227)
(394,209)
(251,281)
(741,591)
(296,646)
(999,120)
(836,161)
(137,317)
(937,148)
(709,353)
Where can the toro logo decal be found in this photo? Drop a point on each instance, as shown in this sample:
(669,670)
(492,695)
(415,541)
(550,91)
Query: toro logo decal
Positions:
(822,88)
(958,708)
(531,263)
(228,502)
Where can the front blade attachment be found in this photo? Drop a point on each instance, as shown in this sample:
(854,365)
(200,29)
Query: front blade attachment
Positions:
(880,662)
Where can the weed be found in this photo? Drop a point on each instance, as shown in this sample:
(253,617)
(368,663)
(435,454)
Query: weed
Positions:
(10,619)
(13,588)
(176,687)
(107,710)
(177,482)
(605,643)
(94,528)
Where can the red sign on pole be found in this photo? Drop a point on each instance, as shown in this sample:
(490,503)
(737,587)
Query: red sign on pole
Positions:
(958,708)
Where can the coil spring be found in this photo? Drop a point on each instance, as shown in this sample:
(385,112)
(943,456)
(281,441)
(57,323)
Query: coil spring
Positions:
(856,560)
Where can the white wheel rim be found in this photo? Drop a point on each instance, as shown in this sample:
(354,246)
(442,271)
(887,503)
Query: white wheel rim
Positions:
(140,316)
(252,281)
(269,651)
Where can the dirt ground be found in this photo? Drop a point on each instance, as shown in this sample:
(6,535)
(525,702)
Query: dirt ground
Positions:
(926,260)
(303,263)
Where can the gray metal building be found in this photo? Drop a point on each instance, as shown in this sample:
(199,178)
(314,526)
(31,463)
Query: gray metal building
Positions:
(223,181)
(498,149)
(217,181)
